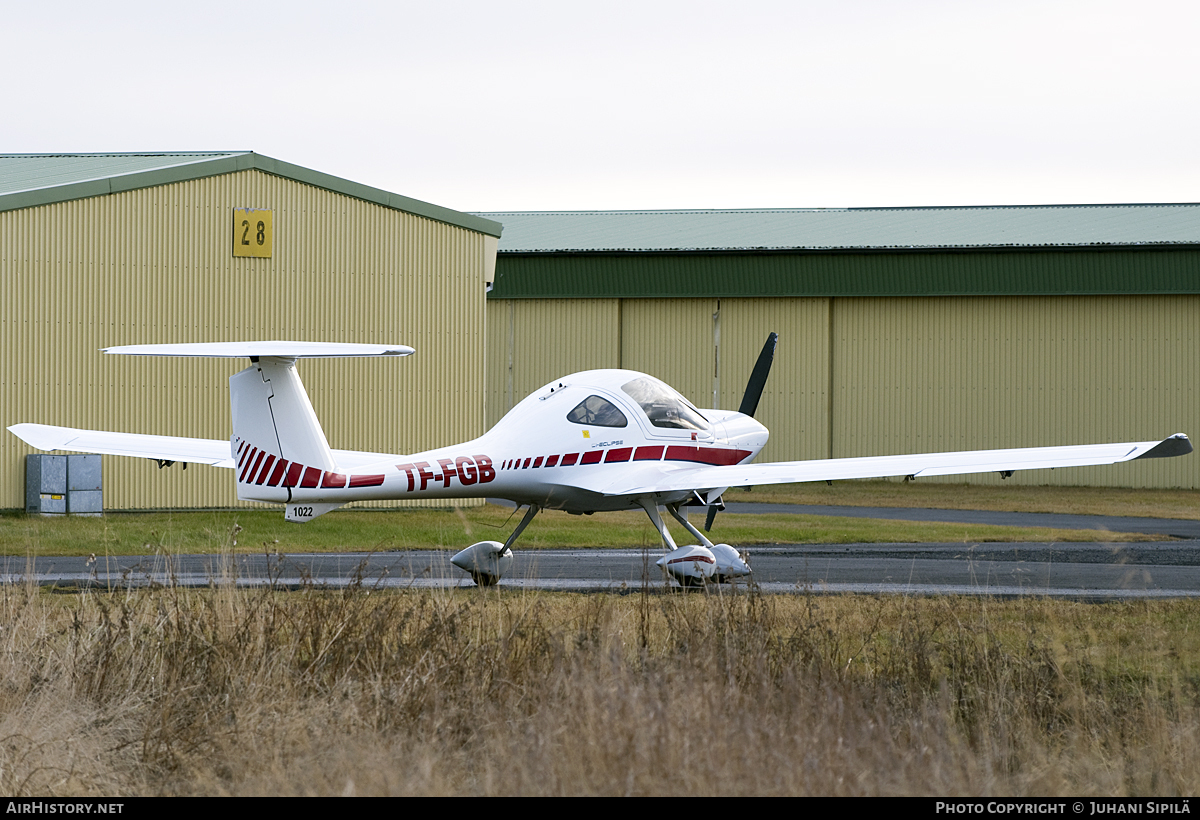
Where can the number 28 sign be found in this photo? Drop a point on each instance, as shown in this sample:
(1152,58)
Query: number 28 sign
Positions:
(251,232)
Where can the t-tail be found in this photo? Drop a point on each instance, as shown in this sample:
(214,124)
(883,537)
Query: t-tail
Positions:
(277,441)
(278,445)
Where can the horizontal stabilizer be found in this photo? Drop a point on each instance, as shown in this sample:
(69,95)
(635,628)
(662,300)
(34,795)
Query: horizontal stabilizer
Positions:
(278,349)
(159,448)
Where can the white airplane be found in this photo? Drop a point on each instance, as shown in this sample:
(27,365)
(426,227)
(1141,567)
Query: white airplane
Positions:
(590,442)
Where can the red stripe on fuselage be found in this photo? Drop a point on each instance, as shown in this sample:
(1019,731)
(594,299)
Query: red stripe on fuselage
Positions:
(716,456)
(704,559)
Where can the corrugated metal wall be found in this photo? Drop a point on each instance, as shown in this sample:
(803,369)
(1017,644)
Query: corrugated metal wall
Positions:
(155,265)
(897,375)
(531,343)
(922,375)
(795,403)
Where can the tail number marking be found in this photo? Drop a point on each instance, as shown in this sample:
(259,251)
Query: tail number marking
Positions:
(468,470)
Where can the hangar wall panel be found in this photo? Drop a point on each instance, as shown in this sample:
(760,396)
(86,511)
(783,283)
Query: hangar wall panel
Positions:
(706,349)
(795,403)
(155,265)
(533,342)
(929,374)
(671,339)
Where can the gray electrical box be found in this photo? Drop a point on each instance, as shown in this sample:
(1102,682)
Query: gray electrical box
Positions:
(57,485)
(85,485)
(46,484)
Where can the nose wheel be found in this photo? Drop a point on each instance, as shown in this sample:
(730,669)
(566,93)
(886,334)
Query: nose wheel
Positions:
(487,561)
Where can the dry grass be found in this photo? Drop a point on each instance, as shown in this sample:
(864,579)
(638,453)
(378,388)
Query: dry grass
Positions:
(172,691)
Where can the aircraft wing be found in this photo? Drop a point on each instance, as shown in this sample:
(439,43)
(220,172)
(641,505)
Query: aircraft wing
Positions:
(163,448)
(651,477)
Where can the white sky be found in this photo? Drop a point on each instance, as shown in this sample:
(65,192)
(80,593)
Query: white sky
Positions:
(512,105)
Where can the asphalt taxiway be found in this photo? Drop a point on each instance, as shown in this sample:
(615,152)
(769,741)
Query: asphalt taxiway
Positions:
(1100,571)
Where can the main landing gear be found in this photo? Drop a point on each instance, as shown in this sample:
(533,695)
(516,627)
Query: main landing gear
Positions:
(697,564)
(694,565)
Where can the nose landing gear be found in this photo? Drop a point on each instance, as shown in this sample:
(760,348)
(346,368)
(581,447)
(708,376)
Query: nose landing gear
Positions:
(488,561)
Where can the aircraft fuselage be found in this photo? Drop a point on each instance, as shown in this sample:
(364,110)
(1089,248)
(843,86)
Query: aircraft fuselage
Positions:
(534,455)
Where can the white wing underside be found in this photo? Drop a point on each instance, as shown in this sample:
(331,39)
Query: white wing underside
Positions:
(214,452)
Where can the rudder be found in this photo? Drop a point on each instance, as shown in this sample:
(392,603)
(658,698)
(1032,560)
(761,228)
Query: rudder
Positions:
(277,440)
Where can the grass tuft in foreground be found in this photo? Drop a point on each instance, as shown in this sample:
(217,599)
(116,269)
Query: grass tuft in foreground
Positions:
(175,691)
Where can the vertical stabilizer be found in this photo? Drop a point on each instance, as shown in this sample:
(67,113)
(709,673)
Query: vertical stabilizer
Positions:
(277,440)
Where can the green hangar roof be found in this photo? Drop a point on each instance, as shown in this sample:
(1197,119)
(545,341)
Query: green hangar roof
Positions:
(848,228)
(1000,250)
(30,180)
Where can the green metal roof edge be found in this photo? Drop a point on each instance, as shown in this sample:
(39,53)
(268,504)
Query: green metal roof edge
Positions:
(857,250)
(376,195)
(1137,270)
(244,161)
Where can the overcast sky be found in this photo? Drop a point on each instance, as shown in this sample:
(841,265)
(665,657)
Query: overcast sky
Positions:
(508,105)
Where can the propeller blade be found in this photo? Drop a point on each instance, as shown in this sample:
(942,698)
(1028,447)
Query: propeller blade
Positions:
(758,377)
(712,516)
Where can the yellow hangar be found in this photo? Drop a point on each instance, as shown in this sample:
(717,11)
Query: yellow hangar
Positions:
(98,250)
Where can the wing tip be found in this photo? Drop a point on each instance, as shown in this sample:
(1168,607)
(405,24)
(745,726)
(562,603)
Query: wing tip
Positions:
(40,436)
(1176,445)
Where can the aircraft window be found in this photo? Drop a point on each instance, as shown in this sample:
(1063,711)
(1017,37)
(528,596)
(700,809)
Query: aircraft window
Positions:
(597,411)
(663,406)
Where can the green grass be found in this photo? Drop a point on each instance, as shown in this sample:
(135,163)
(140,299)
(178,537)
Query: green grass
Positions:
(1007,497)
(256,531)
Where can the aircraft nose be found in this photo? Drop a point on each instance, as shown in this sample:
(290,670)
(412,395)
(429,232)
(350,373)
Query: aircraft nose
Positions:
(745,433)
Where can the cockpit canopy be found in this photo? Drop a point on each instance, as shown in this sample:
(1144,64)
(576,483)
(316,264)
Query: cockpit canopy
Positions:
(663,406)
(597,411)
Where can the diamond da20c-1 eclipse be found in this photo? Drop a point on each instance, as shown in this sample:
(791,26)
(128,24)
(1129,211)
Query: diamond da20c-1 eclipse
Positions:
(594,441)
